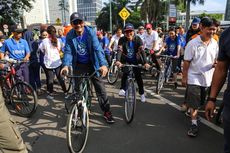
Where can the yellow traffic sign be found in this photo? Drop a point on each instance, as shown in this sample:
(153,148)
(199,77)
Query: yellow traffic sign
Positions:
(58,21)
(124,13)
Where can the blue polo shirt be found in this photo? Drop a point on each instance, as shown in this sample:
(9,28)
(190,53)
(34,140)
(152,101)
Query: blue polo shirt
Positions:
(182,39)
(104,42)
(17,50)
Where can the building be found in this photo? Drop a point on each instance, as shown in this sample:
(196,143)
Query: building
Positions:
(89,9)
(181,17)
(227,11)
(48,11)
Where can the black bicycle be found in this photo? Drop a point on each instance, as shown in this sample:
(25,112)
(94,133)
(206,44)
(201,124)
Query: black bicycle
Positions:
(130,93)
(165,72)
(78,118)
(19,94)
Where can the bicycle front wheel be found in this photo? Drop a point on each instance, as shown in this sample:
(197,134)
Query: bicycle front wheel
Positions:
(130,101)
(168,72)
(77,128)
(24,99)
(160,81)
(113,74)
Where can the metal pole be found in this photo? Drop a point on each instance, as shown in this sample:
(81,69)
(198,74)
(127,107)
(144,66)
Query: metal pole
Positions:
(64,11)
(110,16)
(167,24)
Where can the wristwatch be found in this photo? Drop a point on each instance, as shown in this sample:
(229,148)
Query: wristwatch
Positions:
(211,99)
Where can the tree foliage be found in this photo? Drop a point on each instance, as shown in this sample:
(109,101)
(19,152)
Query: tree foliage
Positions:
(215,16)
(103,19)
(11,10)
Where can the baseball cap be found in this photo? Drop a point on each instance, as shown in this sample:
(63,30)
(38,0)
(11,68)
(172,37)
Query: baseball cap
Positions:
(140,27)
(196,20)
(148,26)
(15,28)
(76,16)
(129,26)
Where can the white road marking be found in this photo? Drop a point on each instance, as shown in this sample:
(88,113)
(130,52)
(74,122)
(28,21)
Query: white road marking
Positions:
(204,121)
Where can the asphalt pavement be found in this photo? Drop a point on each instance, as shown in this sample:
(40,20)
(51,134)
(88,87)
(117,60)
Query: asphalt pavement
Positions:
(158,126)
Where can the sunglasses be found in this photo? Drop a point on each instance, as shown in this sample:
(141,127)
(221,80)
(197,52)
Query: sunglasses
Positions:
(76,22)
(128,31)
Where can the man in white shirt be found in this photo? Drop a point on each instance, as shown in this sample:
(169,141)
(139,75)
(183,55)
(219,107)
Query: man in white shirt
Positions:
(151,44)
(114,40)
(199,62)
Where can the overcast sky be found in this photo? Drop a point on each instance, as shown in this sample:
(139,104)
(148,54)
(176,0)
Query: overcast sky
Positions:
(210,5)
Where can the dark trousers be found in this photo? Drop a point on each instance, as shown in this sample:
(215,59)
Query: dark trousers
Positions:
(156,60)
(50,78)
(34,73)
(22,71)
(108,58)
(226,117)
(227,134)
(138,77)
(97,82)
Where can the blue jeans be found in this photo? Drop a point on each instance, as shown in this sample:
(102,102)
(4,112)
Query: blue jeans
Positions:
(22,71)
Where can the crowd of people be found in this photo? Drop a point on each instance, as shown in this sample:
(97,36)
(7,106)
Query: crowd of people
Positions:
(195,54)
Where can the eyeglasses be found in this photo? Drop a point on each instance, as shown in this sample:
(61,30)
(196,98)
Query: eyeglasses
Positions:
(76,22)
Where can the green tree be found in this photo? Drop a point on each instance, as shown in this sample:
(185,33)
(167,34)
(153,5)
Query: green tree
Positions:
(215,16)
(11,10)
(102,21)
(64,7)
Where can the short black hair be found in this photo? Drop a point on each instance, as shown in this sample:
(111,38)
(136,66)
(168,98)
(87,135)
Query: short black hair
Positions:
(172,29)
(208,22)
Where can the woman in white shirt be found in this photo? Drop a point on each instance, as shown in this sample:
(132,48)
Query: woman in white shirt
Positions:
(51,48)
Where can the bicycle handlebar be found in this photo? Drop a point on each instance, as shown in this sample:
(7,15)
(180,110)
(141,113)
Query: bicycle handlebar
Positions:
(132,65)
(12,61)
(83,76)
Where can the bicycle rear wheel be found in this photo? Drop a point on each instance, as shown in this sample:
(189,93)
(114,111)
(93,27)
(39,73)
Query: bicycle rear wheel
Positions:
(77,128)
(24,99)
(160,81)
(113,74)
(130,101)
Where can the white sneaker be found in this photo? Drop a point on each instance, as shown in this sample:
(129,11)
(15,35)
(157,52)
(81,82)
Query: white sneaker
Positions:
(50,97)
(143,98)
(121,92)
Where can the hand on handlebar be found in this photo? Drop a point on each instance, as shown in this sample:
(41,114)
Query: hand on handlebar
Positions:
(119,64)
(104,70)
(146,66)
(64,71)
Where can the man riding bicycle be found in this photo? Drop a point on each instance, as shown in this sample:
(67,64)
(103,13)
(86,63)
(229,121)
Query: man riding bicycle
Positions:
(84,52)
(150,40)
(130,50)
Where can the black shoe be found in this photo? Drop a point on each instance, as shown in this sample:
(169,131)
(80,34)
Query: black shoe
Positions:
(108,117)
(193,130)
(175,85)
